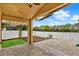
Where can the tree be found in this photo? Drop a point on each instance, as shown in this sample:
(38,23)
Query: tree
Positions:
(20,28)
(24,27)
(36,28)
(44,28)
(5,25)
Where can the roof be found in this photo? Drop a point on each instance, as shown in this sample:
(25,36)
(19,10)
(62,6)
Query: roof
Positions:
(77,24)
(22,12)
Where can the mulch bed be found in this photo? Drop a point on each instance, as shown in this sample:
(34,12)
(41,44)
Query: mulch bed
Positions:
(36,38)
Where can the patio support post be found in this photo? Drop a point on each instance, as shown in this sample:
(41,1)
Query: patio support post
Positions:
(30,32)
(0,28)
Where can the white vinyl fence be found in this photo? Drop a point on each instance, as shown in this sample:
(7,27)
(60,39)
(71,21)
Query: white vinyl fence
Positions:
(56,35)
(12,34)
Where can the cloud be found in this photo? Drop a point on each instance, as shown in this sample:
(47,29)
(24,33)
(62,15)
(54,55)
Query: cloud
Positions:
(75,18)
(54,23)
(61,15)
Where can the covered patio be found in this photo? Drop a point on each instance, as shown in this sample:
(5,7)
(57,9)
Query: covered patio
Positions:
(26,13)
(49,47)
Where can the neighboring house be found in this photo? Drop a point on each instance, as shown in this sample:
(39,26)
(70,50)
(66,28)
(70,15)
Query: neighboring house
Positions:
(10,27)
(76,26)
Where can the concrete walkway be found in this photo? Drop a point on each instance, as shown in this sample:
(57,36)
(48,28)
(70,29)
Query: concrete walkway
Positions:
(50,47)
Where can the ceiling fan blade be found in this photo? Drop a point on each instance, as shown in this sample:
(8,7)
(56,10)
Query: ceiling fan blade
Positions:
(30,5)
(37,3)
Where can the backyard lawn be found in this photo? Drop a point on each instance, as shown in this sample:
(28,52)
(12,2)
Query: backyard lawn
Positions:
(9,43)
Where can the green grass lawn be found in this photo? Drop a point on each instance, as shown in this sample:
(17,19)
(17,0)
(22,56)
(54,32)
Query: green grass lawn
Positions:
(14,42)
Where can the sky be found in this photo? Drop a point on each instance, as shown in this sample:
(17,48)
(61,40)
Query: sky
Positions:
(66,15)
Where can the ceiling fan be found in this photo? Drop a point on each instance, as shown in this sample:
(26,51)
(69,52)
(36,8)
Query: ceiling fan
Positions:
(31,4)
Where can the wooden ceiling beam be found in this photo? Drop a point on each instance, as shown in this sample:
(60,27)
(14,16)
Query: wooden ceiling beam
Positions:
(37,12)
(53,10)
(12,16)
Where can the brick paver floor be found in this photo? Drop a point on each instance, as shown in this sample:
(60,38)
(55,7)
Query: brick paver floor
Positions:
(50,47)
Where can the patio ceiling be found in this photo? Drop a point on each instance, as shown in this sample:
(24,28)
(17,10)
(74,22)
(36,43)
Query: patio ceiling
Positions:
(22,12)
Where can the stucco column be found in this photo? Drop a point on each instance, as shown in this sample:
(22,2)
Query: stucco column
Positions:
(30,32)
